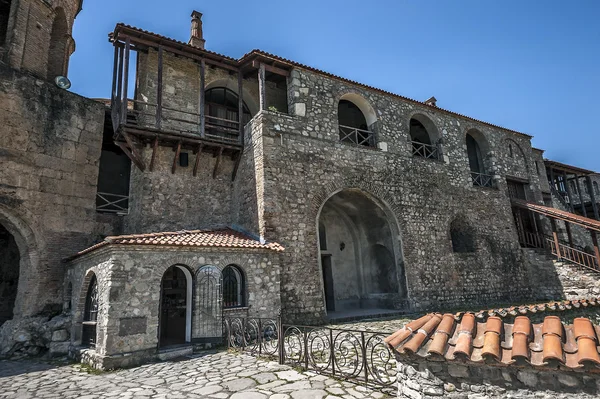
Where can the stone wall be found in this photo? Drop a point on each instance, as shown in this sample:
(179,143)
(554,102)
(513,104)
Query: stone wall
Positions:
(421,379)
(129,282)
(49,150)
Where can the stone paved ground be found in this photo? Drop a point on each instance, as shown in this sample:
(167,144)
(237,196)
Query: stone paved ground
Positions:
(210,375)
(383,325)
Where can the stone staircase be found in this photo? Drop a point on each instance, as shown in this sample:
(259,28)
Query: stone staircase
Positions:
(554,279)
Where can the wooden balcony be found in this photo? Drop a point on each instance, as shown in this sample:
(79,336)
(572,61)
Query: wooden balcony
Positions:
(482,180)
(356,136)
(427,151)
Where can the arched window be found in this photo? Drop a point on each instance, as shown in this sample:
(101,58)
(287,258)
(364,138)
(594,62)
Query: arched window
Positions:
(57,52)
(353,125)
(221,110)
(233,287)
(423,135)
(4,15)
(479,175)
(596,189)
(462,236)
(510,151)
(90,314)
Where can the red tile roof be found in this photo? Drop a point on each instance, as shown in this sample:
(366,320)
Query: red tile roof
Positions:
(128,29)
(555,213)
(218,238)
(551,343)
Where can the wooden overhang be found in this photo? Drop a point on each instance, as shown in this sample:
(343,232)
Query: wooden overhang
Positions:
(570,169)
(554,213)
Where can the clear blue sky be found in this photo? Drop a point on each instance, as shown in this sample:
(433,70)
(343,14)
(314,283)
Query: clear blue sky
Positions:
(532,66)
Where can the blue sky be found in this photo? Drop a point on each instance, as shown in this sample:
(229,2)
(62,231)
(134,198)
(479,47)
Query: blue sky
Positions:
(532,66)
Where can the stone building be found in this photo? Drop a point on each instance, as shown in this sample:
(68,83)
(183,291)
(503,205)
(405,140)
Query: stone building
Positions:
(253,186)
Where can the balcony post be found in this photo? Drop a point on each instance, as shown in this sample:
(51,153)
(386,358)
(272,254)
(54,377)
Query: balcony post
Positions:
(113,93)
(262,87)
(580,196)
(125,81)
(119,93)
(555,237)
(159,87)
(241,106)
(202,99)
(596,249)
(588,181)
(571,205)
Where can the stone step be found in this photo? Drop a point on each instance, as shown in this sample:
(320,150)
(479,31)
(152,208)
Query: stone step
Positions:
(175,352)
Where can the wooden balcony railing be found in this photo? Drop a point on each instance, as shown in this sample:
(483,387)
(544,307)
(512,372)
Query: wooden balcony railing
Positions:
(573,255)
(427,151)
(112,203)
(482,180)
(357,136)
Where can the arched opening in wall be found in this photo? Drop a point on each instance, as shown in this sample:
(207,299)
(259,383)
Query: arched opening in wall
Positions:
(424,137)
(234,287)
(476,149)
(355,120)
(360,259)
(221,110)
(57,52)
(90,315)
(175,306)
(4,16)
(9,274)
(462,236)
(208,326)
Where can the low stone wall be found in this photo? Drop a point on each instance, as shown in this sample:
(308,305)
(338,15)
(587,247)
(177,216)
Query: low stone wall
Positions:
(35,336)
(420,379)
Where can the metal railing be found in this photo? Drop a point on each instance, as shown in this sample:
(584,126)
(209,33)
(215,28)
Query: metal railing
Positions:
(572,255)
(427,151)
(357,136)
(359,356)
(482,180)
(113,203)
(562,197)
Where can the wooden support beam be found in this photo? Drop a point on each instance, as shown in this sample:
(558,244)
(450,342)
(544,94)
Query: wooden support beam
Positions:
(555,237)
(130,155)
(592,194)
(202,97)
(581,201)
(569,233)
(596,248)
(176,158)
(564,174)
(217,163)
(197,162)
(241,107)
(262,87)
(154,150)
(273,69)
(125,82)
(236,165)
(113,93)
(116,111)
(134,151)
(159,88)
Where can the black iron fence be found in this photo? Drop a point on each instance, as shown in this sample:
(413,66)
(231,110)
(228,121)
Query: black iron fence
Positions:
(359,356)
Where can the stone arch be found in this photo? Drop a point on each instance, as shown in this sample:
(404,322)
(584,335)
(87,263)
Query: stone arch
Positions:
(232,85)
(362,103)
(364,258)
(165,290)
(462,235)
(59,45)
(28,261)
(432,133)
(514,148)
(478,151)
(208,301)
(235,290)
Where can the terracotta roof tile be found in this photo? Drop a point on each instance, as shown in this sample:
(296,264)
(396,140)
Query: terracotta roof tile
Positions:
(217,238)
(494,341)
(536,308)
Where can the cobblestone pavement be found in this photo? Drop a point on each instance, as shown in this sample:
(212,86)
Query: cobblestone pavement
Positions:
(211,375)
(383,325)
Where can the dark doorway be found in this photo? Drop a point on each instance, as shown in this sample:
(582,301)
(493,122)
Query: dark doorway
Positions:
(9,274)
(4,16)
(328,283)
(474,154)
(173,310)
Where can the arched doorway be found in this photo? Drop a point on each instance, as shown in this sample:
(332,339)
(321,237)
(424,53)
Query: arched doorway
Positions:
(209,322)
(360,257)
(9,274)
(175,307)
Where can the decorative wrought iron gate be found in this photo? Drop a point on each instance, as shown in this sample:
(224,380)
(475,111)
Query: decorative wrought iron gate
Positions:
(210,325)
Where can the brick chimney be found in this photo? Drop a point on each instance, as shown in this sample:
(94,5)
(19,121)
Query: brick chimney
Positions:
(196,38)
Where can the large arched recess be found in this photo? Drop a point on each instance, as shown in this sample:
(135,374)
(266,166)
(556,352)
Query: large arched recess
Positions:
(231,84)
(20,234)
(360,256)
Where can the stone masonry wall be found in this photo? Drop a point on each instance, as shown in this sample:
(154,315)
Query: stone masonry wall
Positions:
(129,282)
(422,379)
(304,164)
(50,145)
